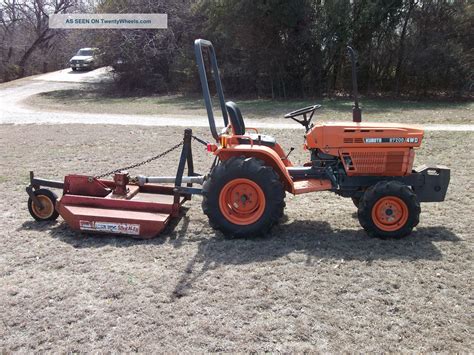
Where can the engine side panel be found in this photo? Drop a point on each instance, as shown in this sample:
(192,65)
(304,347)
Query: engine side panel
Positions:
(368,148)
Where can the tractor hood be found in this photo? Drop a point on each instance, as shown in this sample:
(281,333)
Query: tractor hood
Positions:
(365,134)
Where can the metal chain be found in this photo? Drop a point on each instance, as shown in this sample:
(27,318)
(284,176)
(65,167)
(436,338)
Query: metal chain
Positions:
(200,140)
(149,160)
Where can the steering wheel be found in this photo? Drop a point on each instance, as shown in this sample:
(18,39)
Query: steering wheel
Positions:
(303,112)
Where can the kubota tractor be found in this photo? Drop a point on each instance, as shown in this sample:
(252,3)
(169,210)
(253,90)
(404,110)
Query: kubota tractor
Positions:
(371,163)
(244,192)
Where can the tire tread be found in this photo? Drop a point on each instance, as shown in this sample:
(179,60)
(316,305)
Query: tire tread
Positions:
(386,188)
(233,168)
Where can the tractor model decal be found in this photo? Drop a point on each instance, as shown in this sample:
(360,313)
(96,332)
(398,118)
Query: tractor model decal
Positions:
(391,140)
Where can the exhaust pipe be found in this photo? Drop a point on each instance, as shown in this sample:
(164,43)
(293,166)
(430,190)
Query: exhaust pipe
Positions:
(356,111)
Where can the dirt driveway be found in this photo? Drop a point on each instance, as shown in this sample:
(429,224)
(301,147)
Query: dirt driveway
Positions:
(317,283)
(16,107)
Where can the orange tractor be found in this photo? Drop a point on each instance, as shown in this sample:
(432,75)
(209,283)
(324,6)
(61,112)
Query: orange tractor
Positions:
(368,162)
(244,192)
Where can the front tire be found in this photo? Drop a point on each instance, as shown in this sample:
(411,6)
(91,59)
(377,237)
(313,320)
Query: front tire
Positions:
(389,209)
(243,197)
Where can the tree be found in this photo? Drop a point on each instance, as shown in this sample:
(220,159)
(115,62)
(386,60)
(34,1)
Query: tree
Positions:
(24,26)
(155,60)
(283,48)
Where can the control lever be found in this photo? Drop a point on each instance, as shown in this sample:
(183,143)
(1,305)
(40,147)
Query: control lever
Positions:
(291,150)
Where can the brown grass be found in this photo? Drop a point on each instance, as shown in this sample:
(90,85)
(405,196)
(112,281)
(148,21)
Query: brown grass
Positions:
(317,283)
(379,110)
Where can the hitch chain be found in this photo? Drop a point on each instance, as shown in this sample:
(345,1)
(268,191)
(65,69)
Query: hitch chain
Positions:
(149,160)
(199,140)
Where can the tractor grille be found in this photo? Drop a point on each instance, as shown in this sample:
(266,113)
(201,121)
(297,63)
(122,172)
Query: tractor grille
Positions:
(374,163)
(77,61)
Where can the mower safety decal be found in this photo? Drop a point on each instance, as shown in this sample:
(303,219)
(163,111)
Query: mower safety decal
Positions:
(109,227)
(391,140)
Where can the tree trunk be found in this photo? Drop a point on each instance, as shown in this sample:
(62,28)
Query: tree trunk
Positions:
(271,84)
(24,59)
(401,51)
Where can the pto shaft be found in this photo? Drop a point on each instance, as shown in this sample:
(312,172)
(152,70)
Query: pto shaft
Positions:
(142,180)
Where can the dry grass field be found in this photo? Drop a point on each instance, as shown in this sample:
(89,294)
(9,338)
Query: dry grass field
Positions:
(317,283)
(94,99)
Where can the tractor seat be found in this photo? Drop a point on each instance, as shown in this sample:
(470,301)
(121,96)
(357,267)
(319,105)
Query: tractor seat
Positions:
(238,126)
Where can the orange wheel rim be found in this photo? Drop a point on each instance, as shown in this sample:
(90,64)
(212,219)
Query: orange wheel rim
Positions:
(390,213)
(48,207)
(242,201)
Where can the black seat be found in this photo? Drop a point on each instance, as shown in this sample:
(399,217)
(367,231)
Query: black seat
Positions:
(238,126)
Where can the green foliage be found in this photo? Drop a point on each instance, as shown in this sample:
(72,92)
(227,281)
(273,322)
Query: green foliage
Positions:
(148,59)
(281,49)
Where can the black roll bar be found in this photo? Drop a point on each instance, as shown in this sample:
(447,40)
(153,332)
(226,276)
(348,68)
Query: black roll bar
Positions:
(199,45)
(356,111)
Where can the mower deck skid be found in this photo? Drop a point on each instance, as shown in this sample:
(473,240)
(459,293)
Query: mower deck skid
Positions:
(91,205)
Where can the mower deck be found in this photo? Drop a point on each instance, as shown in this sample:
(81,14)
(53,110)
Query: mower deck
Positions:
(141,207)
(142,213)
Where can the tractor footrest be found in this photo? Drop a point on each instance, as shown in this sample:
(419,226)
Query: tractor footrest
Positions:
(310,185)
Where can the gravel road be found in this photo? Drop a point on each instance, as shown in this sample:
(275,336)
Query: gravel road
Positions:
(14,112)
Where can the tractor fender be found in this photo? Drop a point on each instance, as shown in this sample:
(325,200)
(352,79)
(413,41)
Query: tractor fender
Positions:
(268,155)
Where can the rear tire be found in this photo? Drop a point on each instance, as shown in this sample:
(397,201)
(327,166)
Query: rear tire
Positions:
(48,200)
(389,209)
(242,197)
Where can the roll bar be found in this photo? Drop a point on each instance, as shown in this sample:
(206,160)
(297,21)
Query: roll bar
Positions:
(199,46)
(356,111)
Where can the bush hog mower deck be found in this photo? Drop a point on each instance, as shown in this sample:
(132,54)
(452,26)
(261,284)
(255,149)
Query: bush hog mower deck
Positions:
(138,206)
(243,194)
